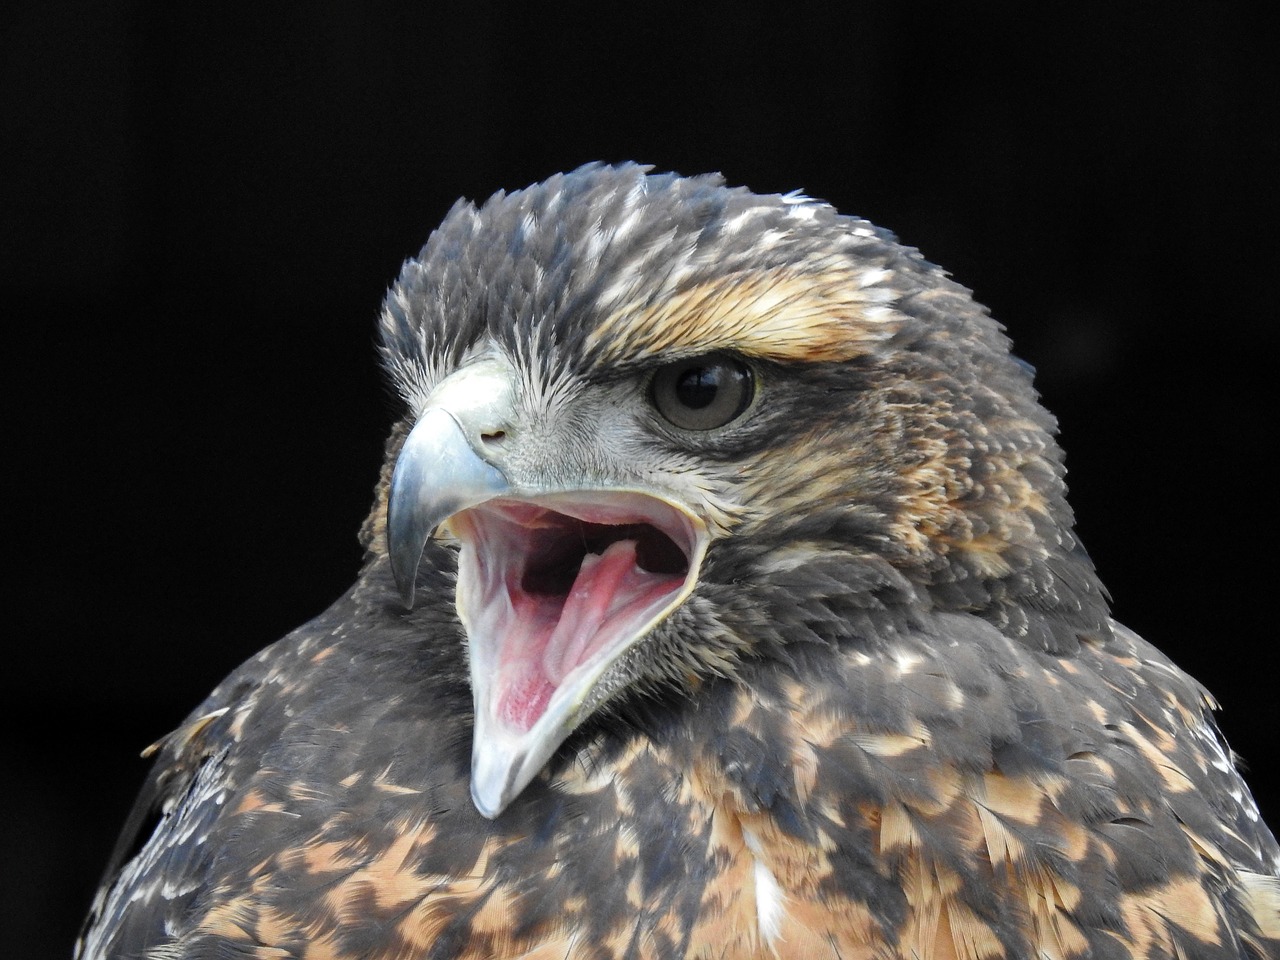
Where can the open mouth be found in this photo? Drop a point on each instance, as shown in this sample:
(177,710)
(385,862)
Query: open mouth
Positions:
(554,588)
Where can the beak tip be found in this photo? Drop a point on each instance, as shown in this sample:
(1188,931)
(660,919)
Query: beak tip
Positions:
(404,572)
(406,595)
(499,771)
(486,810)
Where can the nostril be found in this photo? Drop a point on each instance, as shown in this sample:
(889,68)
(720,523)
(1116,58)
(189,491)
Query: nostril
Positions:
(495,436)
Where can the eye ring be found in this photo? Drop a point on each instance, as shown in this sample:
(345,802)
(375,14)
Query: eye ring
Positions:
(702,393)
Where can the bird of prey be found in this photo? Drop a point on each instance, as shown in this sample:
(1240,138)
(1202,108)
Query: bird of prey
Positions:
(721,600)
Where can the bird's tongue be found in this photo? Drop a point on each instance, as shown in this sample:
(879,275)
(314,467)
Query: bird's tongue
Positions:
(597,591)
(609,592)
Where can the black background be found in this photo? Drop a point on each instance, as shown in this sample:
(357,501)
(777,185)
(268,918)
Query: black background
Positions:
(203,207)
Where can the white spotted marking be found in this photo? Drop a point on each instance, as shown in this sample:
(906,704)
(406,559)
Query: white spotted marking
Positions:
(627,224)
(770,239)
(800,199)
(770,899)
(639,190)
(738,222)
(906,660)
(596,240)
(802,212)
(869,278)
(172,891)
(953,696)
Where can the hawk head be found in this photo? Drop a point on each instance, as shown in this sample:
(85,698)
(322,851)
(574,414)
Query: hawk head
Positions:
(664,425)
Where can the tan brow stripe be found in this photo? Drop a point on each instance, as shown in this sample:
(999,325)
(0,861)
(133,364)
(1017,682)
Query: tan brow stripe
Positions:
(776,314)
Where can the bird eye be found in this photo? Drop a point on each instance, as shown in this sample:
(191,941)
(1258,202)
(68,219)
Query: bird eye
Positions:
(703,393)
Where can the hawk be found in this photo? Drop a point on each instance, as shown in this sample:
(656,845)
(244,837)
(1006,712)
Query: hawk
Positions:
(721,599)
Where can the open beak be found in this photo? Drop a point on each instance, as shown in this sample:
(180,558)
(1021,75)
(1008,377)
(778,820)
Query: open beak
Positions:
(555,584)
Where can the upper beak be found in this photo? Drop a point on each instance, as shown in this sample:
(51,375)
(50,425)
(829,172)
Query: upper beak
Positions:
(442,466)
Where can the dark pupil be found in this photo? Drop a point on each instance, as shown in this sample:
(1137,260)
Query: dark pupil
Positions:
(696,388)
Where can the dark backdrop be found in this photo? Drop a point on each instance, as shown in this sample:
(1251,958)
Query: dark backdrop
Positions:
(203,206)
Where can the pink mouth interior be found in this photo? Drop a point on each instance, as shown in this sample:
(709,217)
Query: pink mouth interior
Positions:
(573,588)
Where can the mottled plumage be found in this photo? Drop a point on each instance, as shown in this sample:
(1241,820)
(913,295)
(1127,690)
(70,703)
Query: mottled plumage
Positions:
(749,622)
